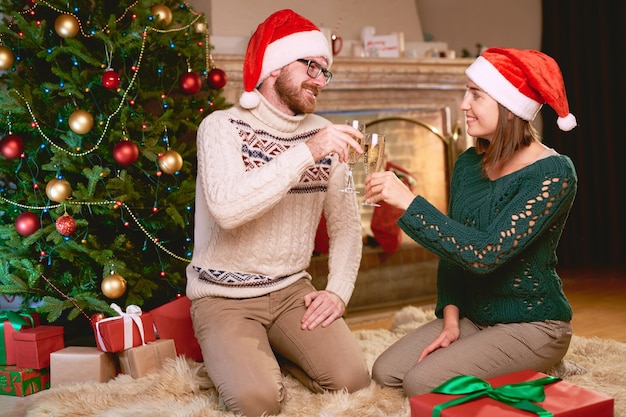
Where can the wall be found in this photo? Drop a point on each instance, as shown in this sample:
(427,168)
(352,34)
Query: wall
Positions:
(463,23)
(346,17)
(460,23)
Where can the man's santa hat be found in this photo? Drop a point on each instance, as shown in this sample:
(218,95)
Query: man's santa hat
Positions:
(282,38)
(522,81)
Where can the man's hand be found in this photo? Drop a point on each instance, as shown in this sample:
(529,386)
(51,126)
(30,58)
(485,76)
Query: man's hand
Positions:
(334,139)
(323,307)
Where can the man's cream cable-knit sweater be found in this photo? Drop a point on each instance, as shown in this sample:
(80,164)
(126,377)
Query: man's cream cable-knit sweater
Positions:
(259,199)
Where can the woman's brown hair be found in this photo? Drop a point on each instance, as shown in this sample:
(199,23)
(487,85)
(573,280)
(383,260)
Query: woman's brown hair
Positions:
(512,133)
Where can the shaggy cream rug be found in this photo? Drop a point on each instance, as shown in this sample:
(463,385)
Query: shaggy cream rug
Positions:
(181,389)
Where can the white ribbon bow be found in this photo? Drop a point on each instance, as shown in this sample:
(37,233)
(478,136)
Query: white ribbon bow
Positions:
(132,315)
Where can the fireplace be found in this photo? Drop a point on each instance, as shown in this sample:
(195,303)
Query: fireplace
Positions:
(415,102)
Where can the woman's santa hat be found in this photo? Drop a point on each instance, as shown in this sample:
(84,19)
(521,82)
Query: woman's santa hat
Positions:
(522,81)
(282,38)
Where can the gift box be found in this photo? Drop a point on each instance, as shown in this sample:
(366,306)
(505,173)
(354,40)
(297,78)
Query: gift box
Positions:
(129,329)
(34,345)
(75,364)
(519,394)
(20,382)
(12,322)
(173,321)
(143,360)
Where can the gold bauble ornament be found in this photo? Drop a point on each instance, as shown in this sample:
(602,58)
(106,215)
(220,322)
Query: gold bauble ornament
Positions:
(113,286)
(162,13)
(66,26)
(81,122)
(170,162)
(201,27)
(58,190)
(6,58)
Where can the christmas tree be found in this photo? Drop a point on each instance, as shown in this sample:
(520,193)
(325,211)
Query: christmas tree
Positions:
(99,103)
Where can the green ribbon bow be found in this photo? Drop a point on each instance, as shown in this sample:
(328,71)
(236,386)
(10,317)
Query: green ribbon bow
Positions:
(17,321)
(521,395)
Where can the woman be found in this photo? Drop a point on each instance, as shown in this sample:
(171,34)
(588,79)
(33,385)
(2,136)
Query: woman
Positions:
(500,303)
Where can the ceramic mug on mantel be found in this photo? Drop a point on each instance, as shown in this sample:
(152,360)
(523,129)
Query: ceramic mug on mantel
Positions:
(336,44)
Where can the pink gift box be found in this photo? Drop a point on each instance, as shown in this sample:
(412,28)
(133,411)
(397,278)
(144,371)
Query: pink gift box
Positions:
(34,345)
(115,334)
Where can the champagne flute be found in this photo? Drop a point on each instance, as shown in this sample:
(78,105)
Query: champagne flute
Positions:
(353,156)
(373,156)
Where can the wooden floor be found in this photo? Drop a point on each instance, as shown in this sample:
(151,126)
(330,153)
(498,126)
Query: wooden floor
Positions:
(597,296)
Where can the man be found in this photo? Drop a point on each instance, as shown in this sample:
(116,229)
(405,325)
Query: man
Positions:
(267,169)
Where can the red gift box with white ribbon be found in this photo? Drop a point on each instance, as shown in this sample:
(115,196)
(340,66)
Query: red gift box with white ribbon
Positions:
(131,328)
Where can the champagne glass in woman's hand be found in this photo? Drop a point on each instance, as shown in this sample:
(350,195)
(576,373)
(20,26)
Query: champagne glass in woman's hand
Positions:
(353,156)
(373,156)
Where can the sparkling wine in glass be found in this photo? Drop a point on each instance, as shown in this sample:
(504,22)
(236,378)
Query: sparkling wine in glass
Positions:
(353,156)
(373,156)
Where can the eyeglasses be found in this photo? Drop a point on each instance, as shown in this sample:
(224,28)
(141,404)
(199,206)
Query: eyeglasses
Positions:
(313,69)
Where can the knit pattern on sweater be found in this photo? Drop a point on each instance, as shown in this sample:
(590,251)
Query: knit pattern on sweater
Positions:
(260,147)
(497,246)
(259,199)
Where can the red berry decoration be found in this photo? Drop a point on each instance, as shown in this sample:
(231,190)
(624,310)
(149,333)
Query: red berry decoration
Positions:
(125,152)
(11,146)
(27,223)
(190,83)
(216,78)
(111,79)
(66,225)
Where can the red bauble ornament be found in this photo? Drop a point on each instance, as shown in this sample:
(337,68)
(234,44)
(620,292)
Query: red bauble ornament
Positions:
(66,225)
(96,317)
(27,223)
(190,82)
(125,152)
(11,146)
(216,78)
(111,79)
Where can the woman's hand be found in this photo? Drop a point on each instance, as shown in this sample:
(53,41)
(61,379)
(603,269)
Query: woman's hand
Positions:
(449,334)
(445,339)
(386,186)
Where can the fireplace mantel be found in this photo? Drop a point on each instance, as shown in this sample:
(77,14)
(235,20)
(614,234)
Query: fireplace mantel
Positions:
(378,83)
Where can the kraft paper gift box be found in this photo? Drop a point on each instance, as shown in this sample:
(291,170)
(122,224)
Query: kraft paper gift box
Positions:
(20,382)
(12,322)
(173,321)
(143,360)
(129,329)
(562,399)
(34,345)
(75,364)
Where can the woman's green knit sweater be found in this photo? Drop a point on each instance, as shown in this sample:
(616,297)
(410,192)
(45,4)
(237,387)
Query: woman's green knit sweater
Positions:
(497,246)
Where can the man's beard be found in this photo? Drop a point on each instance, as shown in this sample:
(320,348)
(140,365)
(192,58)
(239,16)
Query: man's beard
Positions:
(292,95)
